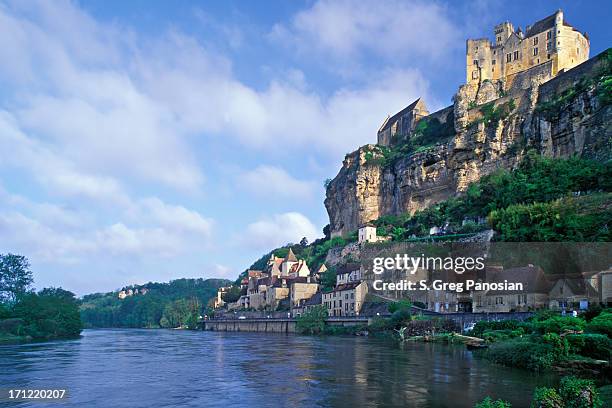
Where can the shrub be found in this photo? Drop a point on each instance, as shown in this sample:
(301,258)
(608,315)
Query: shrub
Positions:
(523,353)
(601,324)
(545,397)
(559,324)
(401,317)
(579,393)
(590,345)
(560,344)
(489,403)
(483,326)
(403,304)
(594,310)
(380,324)
(312,321)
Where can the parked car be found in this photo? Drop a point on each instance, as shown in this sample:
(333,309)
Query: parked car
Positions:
(241,317)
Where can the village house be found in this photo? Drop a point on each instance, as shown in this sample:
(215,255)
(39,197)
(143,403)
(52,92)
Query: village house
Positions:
(124,293)
(306,305)
(301,289)
(534,296)
(605,287)
(551,43)
(350,272)
(572,293)
(345,299)
(219,299)
(367,233)
(285,278)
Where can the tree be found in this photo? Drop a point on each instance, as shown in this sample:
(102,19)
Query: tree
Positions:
(312,321)
(304,242)
(15,277)
(50,313)
(232,295)
(328,278)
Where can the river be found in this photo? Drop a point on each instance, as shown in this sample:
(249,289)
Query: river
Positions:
(174,368)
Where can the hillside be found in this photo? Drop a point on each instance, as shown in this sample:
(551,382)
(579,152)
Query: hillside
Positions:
(173,304)
(486,129)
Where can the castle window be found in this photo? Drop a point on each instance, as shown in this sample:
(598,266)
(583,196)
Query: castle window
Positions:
(499,38)
(516,55)
(549,35)
(535,51)
(475,62)
(493,62)
(548,46)
(535,40)
(508,57)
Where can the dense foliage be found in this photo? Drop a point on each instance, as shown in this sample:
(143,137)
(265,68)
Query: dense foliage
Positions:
(312,321)
(572,393)
(173,304)
(546,339)
(24,314)
(489,403)
(521,203)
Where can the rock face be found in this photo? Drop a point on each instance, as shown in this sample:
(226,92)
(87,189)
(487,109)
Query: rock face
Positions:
(559,118)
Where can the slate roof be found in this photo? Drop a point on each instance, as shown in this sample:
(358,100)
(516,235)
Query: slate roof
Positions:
(315,299)
(544,24)
(291,256)
(532,277)
(394,118)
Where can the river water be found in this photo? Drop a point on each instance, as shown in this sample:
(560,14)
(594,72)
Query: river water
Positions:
(173,368)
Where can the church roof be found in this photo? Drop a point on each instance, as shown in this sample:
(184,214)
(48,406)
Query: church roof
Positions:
(390,120)
(290,256)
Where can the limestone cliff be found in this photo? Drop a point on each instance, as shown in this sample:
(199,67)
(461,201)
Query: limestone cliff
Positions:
(494,123)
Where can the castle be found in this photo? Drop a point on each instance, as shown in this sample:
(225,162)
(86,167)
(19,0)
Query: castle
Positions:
(547,48)
(551,40)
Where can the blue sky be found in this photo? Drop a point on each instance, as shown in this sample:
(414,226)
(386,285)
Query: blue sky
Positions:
(149,140)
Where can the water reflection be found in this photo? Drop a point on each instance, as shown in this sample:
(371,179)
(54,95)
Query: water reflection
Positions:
(144,368)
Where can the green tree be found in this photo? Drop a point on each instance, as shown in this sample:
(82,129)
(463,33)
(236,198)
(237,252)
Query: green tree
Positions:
(489,403)
(50,313)
(232,295)
(312,321)
(328,278)
(15,277)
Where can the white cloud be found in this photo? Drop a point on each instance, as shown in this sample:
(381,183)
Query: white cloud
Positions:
(273,181)
(51,169)
(279,229)
(391,28)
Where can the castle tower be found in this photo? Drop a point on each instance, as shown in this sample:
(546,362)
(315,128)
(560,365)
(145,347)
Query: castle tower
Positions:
(502,32)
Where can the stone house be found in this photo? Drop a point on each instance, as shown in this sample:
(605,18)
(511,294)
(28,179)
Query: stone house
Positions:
(551,41)
(605,287)
(305,305)
(350,272)
(572,293)
(534,296)
(219,302)
(346,299)
(301,289)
